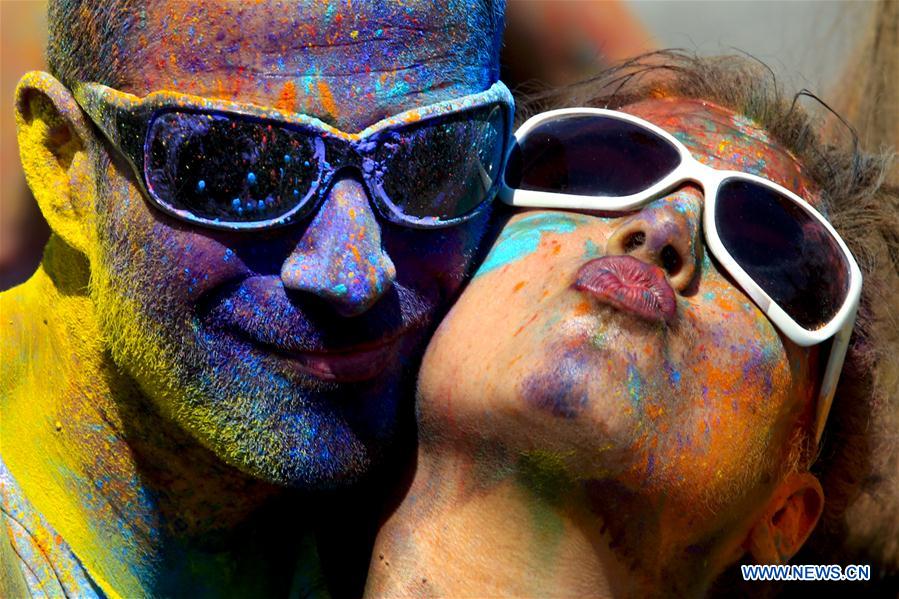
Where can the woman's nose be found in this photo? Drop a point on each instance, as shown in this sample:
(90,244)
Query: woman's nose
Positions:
(665,233)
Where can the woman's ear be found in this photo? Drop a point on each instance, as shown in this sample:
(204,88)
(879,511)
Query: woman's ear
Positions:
(55,140)
(787,520)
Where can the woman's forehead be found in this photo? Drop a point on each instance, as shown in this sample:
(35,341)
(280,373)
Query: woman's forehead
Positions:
(725,139)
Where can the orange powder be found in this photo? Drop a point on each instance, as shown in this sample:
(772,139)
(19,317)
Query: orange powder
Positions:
(327,99)
(287,99)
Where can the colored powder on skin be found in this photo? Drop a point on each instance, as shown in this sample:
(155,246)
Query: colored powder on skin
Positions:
(544,474)
(522,238)
(601,335)
(650,465)
(674,375)
(634,385)
(590,249)
(327,98)
(560,393)
(287,99)
(750,128)
(682,208)
(683,137)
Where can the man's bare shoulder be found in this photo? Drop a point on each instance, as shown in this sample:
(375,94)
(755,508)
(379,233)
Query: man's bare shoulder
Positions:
(12,581)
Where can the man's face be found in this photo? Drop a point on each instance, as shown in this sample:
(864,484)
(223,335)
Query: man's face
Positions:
(673,431)
(287,352)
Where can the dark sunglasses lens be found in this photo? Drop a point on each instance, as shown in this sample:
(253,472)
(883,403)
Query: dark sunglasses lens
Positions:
(784,249)
(228,170)
(590,155)
(443,168)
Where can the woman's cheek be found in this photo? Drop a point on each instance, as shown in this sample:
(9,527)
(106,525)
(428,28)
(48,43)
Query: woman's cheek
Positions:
(746,373)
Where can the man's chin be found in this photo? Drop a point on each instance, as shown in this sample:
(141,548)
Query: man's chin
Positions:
(308,451)
(275,419)
(331,468)
(287,417)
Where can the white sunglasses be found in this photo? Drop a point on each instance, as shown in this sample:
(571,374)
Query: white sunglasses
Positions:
(781,251)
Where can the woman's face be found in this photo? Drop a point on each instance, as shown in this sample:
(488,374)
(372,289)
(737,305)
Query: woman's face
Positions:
(688,408)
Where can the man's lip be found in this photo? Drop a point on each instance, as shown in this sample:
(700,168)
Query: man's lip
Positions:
(308,338)
(629,284)
(347,365)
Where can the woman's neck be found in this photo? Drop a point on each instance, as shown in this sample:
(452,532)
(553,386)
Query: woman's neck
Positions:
(473,527)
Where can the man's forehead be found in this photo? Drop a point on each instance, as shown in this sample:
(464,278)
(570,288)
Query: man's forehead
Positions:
(349,63)
(725,139)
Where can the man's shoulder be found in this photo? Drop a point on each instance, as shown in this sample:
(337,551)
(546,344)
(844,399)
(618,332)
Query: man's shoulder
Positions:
(36,561)
(12,579)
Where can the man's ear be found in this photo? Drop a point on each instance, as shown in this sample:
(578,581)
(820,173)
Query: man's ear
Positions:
(54,144)
(787,520)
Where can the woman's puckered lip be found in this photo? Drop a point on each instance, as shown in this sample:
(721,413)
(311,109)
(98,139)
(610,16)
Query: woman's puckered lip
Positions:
(631,285)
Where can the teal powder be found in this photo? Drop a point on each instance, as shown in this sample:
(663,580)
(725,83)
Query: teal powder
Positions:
(523,237)
(634,385)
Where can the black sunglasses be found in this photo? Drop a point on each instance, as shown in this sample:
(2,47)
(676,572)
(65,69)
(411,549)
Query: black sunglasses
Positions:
(236,166)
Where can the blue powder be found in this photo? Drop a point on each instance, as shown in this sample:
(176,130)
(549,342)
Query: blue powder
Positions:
(523,237)
(634,385)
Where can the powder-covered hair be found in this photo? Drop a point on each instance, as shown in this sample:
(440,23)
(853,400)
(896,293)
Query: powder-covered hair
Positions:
(858,455)
(98,40)
(92,41)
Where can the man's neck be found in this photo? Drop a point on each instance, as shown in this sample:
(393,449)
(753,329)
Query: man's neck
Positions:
(145,508)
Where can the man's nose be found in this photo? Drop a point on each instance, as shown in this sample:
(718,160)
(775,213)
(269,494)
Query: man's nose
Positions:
(340,258)
(665,233)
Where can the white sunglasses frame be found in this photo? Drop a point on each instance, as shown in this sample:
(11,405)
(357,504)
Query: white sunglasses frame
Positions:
(691,170)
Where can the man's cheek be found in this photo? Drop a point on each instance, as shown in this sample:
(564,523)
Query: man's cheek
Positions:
(435,259)
(144,252)
(190,264)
